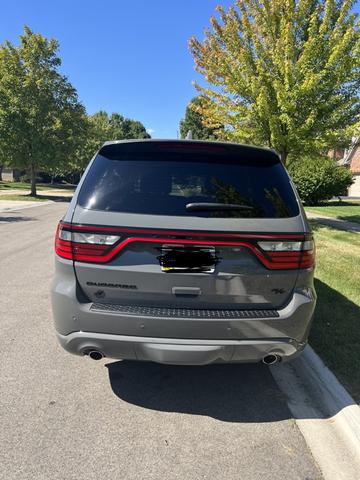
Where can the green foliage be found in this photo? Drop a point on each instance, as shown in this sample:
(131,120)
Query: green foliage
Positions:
(103,127)
(41,117)
(282,73)
(43,126)
(195,122)
(319,178)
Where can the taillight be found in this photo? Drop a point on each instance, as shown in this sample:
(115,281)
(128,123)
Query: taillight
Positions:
(100,244)
(289,254)
(83,246)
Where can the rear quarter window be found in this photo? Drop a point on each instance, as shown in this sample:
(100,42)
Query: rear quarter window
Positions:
(165,183)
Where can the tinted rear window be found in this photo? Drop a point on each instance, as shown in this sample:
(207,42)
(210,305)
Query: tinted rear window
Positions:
(165,183)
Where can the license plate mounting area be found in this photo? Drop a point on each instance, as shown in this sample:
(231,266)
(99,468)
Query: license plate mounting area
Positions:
(188,258)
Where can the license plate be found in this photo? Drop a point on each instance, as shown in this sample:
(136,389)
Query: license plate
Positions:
(187,258)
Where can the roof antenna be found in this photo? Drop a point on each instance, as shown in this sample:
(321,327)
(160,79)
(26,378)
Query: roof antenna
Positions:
(189,135)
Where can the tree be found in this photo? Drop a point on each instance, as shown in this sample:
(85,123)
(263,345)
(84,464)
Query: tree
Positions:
(41,117)
(320,178)
(122,128)
(195,122)
(282,73)
(103,127)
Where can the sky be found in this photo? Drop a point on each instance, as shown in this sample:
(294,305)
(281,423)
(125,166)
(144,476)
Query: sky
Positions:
(125,56)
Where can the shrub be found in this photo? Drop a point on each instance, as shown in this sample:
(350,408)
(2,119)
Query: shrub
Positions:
(319,178)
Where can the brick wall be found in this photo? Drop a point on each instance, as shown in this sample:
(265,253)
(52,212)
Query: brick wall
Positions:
(336,154)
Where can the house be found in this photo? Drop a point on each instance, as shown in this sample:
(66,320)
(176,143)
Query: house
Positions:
(351,160)
(7,174)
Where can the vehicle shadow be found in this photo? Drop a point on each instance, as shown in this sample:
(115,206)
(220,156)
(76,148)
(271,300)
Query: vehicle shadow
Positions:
(230,393)
(249,393)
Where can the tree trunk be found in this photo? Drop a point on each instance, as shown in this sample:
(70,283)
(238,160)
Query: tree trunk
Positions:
(1,169)
(283,156)
(33,181)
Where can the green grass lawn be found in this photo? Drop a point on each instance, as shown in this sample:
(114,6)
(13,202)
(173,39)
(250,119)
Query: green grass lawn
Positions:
(40,186)
(335,334)
(23,198)
(343,210)
(45,191)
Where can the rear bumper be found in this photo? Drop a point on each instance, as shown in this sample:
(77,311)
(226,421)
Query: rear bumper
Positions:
(81,326)
(179,351)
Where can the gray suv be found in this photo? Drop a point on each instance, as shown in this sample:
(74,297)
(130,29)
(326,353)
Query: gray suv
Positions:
(184,252)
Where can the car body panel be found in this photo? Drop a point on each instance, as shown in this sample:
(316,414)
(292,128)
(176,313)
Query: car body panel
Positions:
(135,278)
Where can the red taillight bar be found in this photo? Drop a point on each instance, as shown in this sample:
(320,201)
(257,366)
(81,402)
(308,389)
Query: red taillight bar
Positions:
(91,253)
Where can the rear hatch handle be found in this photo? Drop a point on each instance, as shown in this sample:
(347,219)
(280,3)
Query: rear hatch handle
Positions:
(186,291)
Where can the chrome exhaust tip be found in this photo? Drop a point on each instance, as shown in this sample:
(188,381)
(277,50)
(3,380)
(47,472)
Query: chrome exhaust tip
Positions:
(271,359)
(95,355)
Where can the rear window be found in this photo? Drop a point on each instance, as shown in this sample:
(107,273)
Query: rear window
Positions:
(166,183)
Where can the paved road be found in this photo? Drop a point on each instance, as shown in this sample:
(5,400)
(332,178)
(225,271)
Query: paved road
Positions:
(66,417)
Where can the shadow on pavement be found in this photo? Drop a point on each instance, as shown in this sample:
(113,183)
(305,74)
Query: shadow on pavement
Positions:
(350,218)
(335,335)
(230,393)
(55,198)
(15,219)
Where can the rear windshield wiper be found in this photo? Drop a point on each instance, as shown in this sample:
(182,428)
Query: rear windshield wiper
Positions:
(204,206)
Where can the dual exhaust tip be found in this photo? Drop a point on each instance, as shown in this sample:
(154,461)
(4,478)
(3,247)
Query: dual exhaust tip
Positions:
(95,354)
(271,359)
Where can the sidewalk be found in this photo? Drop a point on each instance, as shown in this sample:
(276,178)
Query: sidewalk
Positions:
(334,222)
(51,192)
(12,205)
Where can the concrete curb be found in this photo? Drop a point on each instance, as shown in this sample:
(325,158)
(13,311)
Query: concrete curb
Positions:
(325,413)
(333,396)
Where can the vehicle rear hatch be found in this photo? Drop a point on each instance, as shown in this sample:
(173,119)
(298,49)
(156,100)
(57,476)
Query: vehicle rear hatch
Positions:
(186,224)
